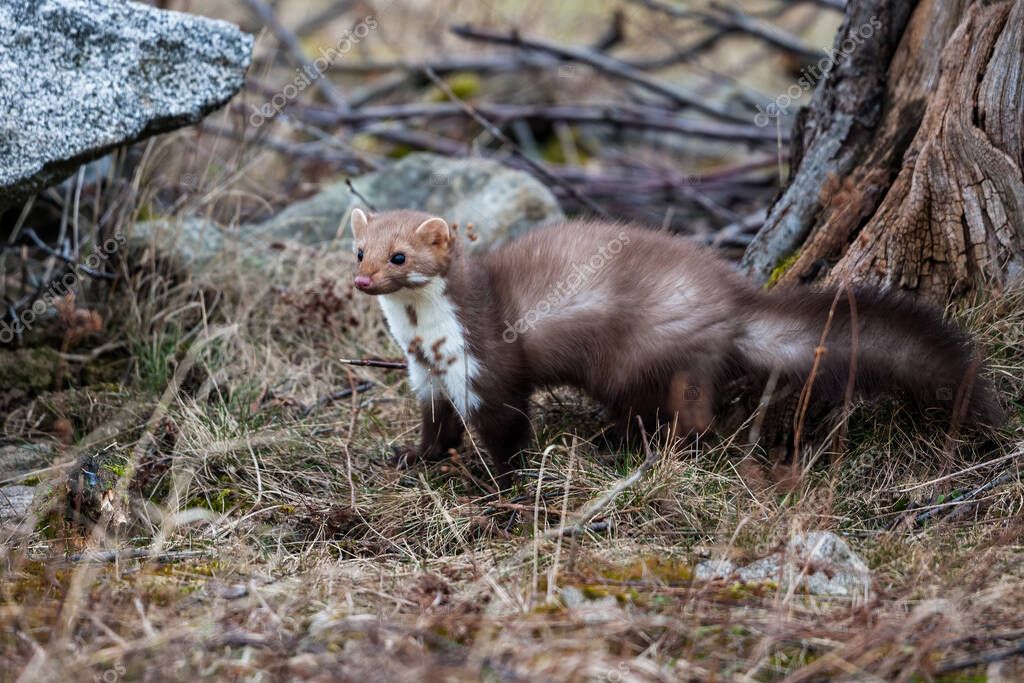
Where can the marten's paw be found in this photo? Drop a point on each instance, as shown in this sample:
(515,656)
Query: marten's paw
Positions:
(404,457)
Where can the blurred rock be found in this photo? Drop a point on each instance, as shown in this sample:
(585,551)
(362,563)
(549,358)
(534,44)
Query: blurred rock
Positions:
(15,502)
(81,77)
(825,565)
(187,240)
(500,202)
(311,221)
(713,569)
(818,562)
(19,459)
(590,610)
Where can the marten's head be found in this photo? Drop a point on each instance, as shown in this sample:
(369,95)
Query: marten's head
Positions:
(400,250)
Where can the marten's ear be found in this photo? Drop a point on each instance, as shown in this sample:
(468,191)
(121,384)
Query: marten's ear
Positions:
(434,231)
(359,221)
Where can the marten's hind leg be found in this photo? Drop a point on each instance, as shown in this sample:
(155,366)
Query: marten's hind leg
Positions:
(689,405)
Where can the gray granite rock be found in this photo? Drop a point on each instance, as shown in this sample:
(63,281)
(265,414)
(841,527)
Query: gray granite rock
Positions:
(81,77)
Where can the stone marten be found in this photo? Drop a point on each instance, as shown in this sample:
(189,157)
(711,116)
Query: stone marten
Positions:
(647,323)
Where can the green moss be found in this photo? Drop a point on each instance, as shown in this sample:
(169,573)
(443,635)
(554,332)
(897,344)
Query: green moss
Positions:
(31,369)
(653,568)
(117,468)
(779,270)
(464,85)
(554,152)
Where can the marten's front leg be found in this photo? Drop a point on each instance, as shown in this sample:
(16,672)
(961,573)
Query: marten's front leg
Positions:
(441,430)
(505,431)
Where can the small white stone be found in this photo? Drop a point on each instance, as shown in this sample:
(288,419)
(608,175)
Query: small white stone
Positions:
(713,569)
(15,502)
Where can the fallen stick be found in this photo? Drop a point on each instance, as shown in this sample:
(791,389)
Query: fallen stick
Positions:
(374,363)
(360,388)
(984,658)
(589,512)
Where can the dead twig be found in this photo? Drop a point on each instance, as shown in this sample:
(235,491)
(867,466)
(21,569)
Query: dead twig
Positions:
(604,64)
(360,388)
(516,151)
(622,116)
(997,655)
(293,46)
(590,511)
(65,257)
(318,19)
(374,363)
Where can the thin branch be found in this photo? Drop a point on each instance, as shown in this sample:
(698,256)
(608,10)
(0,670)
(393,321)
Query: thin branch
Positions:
(329,13)
(590,511)
(358,195)
(307,150)
(516,151)
(347,392)
(61,256)
(734,20)
(292,45)
(602,63)
(374,363)
(983,658)
(726,20)
(635,116)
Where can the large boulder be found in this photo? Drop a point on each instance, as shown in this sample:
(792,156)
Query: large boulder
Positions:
(81,77)
(499,201)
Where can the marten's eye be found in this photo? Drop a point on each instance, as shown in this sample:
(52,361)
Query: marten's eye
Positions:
(359,255)
(398,258)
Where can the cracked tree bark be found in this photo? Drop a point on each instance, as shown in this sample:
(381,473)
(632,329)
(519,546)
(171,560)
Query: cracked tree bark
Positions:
(907,170)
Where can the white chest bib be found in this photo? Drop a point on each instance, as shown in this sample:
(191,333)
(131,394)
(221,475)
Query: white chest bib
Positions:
(424,323)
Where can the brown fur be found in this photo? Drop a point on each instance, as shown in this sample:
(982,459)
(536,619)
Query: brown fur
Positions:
(657,331)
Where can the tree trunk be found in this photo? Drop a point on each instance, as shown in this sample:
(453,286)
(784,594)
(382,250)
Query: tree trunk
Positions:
(907,167)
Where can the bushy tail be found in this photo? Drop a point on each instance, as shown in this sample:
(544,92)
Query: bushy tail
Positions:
(897,346)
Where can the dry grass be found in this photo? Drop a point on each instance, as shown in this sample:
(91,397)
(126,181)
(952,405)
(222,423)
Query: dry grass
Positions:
(319,561)
(313,559)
